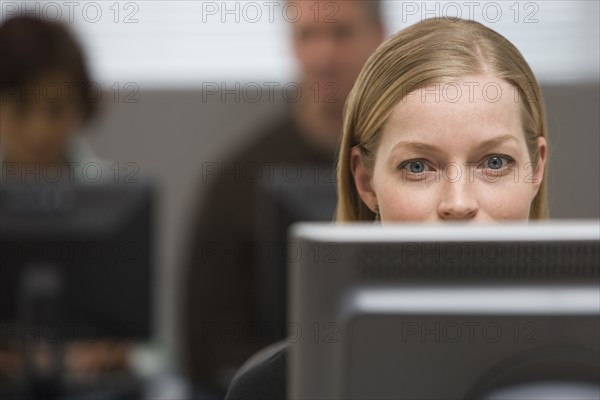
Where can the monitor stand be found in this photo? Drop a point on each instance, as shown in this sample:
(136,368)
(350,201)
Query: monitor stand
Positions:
(39,309)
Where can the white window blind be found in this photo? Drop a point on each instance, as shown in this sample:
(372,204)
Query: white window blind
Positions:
(181,44)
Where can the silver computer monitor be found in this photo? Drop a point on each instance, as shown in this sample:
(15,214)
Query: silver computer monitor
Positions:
(443,311)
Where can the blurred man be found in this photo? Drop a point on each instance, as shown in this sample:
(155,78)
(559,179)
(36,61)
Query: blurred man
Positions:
(331,46)
(222,325)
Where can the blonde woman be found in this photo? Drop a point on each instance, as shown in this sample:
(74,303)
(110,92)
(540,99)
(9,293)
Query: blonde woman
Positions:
(445,122)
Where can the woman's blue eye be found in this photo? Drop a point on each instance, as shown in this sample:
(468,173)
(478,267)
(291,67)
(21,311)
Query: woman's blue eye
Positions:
(495,162)
(498,162)
(414,167)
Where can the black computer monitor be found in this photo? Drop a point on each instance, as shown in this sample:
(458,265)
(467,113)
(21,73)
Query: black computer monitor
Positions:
(445,311)
(76,262)
(289,194)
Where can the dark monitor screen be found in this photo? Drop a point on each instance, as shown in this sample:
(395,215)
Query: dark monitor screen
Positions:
(306,194)
(76,259)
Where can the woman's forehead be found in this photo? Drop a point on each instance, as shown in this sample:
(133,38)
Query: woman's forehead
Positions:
(479,107)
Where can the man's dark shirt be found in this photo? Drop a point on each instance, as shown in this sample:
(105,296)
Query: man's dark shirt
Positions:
(220,314)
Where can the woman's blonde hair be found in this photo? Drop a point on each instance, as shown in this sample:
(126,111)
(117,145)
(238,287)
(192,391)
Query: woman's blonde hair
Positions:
(431,52)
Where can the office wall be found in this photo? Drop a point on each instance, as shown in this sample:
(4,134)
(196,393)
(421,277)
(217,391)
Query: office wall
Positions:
(169,134)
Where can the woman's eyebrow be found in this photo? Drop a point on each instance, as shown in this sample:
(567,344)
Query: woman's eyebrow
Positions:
(431,148)
(486,144)
(418,146)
